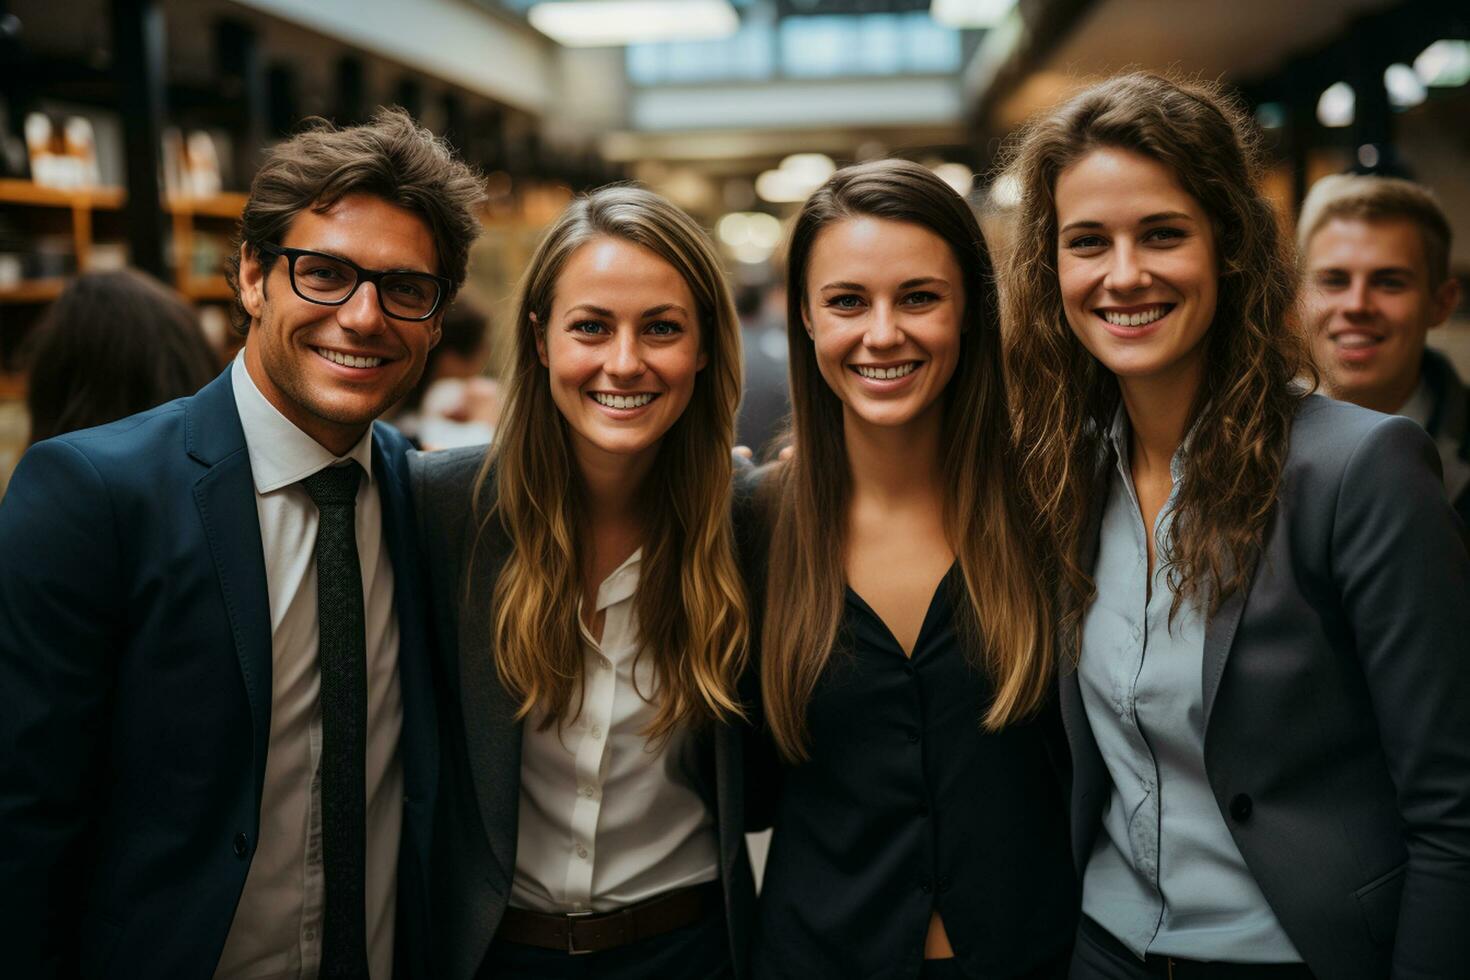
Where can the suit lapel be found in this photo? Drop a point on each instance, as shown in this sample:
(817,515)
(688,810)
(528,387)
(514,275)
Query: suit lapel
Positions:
(1089,774)
(225,497)
(1219,638)
(419,745)
(492,735)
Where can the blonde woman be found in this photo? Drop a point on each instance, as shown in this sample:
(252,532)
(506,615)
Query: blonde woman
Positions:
(906,669)
(591,623)
(1266,682)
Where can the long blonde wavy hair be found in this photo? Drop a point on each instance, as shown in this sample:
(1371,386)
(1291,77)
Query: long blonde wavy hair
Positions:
(1007,617)
(1243,411)
(690,602)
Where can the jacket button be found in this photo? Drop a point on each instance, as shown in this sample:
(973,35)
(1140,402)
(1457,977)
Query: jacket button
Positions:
(242,845)
(926,886)
(1240,808)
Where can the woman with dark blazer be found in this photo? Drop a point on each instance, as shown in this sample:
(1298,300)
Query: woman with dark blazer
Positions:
(591,622)
(919,823)
(1267,596)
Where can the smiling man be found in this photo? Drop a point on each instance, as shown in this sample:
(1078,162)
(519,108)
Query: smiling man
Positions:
(217,752)
(1375,253)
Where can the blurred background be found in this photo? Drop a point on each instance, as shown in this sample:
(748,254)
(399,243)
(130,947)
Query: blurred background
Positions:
(129,129)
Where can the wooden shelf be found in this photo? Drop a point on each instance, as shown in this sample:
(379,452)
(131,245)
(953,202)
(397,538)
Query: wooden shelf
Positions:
(208,287)
(224,205)
(36,195)
(32,291)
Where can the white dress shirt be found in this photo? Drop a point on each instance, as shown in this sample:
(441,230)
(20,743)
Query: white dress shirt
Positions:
(607,817)
(277,929)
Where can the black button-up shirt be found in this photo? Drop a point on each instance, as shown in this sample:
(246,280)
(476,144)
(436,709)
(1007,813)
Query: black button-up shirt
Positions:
(907,805)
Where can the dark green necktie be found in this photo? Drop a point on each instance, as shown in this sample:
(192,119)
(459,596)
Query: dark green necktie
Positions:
(342,656)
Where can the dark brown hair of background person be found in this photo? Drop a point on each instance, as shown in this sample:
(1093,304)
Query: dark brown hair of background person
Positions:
(113,344)
(1065,400)
(391,157)
(1008,615)
(463,328)
(690,604)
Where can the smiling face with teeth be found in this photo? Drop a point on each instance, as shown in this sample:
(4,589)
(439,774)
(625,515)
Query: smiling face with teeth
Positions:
(1370,305)
(884,304)
(1137,267)
(622,350)
(331,370)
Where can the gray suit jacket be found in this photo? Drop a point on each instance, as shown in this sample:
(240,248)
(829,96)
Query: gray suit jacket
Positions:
(474,852)
(1337,705)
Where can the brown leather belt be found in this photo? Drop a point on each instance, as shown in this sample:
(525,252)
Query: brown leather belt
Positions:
(592,932)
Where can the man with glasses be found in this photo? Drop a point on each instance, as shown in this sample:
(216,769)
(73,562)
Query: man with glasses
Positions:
(217,751)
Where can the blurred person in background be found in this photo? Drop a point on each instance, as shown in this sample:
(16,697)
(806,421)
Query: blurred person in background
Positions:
(1375,254)
(112,345)
(216,704)
(1264,590)
(764,404)
(591,625)
(454,404)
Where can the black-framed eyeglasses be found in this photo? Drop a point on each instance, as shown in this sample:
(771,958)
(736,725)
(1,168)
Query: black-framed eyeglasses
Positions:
(330,280)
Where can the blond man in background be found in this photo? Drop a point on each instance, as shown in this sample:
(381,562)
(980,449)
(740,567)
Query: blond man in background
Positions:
(1375,253)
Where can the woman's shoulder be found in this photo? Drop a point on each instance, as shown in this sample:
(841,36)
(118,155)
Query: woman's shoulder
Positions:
(1331,434)
(445,484)
(446,473)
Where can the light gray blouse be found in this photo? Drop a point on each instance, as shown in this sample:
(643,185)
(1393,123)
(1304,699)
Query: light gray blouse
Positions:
(1165,876)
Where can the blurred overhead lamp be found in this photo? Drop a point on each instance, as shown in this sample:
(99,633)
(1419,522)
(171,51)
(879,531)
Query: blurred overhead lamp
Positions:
(1006,192)
(1338,106)
(963,14)
(1444,64)
(795,179)
(956,175)
(1405,89)
(605,23)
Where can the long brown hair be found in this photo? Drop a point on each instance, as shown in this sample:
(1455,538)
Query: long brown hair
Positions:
(1243,410)
(690,602)
(1007,613)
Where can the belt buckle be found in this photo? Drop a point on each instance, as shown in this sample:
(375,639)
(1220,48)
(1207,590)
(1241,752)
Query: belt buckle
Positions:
(572,949)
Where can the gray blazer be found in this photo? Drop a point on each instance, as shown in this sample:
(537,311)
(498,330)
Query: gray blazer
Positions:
(1337,705)
(474,853)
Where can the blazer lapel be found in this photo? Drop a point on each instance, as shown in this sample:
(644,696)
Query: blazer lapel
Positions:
(419,744)
(225,497)
(492,735)
(1219,637)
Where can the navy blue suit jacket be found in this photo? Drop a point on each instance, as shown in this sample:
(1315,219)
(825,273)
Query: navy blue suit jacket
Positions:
(135,694)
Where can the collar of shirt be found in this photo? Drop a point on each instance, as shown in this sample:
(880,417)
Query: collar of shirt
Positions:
(1420,405)
(280,453)
(621,583)
(1118,435)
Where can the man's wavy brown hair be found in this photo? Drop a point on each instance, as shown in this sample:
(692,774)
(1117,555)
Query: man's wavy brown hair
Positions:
(1065,400)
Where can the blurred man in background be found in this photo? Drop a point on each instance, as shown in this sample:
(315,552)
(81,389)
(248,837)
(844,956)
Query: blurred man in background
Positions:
(1375,253)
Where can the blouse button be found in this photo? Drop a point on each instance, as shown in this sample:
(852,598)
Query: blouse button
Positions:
(596,731)
(581,851)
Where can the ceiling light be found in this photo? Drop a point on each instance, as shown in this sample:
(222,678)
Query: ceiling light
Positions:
(782,187)
(1338,106)
(1444,64)
(604,23)
(970,13)
(1405,89)
(1006,192)
(815,167)
(956,175)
